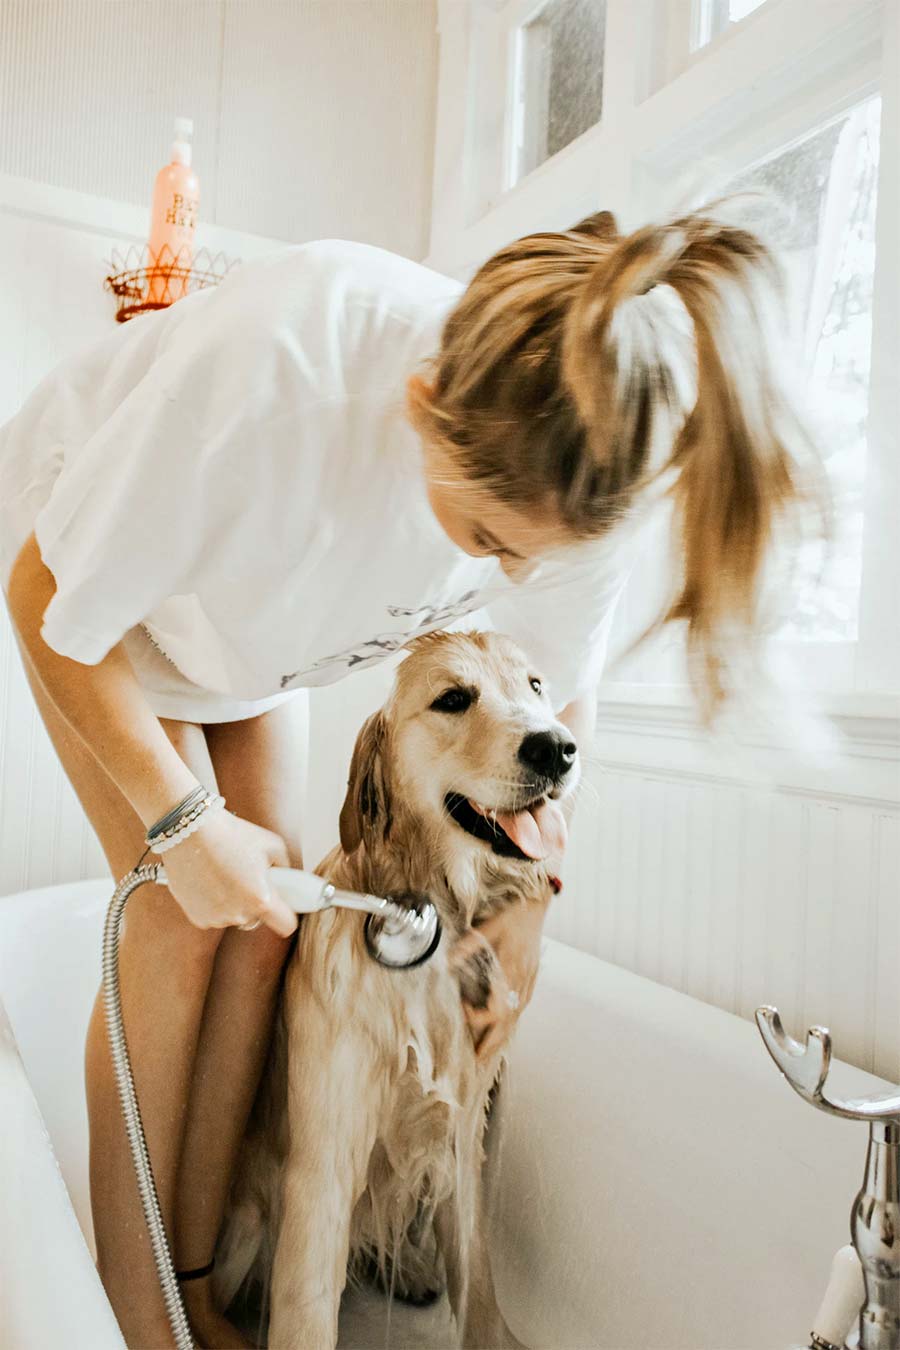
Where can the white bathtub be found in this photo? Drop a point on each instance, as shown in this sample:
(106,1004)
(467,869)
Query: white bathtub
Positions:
(658,1186)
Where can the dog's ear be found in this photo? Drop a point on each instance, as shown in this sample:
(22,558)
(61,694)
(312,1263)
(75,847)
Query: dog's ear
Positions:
(367,805)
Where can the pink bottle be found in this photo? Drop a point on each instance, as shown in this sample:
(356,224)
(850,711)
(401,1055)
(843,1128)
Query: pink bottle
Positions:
(173,219)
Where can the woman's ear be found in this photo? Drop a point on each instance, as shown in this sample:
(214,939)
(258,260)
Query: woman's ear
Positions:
(367,804)
(419,394)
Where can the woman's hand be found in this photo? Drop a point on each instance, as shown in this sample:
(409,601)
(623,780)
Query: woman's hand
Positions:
(497,965)
(220,875)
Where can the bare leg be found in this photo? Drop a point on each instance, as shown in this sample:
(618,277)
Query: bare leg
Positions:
(164,972)
(259,766)
(165,966)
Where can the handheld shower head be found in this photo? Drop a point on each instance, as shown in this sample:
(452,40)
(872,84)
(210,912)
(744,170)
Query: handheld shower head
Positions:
(406,936)
(400,933)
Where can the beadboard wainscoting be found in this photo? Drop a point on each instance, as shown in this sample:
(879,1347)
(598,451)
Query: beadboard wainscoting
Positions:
(745,878)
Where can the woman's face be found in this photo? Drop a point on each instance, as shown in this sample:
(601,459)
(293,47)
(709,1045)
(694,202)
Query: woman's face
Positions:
(485,527)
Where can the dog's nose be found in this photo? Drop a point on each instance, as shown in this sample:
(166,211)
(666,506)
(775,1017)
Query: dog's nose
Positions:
(548,752)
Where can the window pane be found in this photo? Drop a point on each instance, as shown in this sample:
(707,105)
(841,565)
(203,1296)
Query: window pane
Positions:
(823,224)
(714,16)
(560,79)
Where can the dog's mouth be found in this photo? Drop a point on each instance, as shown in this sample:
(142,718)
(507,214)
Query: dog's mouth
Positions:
(530,833)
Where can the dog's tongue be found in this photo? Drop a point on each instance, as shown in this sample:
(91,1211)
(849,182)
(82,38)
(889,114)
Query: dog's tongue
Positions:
(538,831)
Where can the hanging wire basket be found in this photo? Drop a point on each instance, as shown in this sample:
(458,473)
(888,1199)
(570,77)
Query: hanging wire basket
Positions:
(142,283)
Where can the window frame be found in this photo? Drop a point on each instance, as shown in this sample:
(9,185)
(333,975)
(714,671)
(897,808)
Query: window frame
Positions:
(664,104)
(516,17)
(701,31)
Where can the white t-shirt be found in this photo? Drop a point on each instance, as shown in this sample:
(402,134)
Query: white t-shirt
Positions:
(236,473)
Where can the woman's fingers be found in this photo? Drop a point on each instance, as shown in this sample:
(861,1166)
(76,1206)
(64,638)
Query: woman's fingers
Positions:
(282,919)
(490,1027)
(475,964)
(271,909)
(277,915)
(494,1038)
(485,991)
(471,940)
(278,853)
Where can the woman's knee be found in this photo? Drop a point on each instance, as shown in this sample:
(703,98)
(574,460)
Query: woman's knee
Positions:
(156,923)
(261,953)
(260,768)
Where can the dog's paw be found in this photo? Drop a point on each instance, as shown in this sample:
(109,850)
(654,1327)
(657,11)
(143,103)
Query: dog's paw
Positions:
(418,1298)
(418,1288)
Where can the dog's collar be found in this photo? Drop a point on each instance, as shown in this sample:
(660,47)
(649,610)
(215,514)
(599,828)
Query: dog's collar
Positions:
(555,883)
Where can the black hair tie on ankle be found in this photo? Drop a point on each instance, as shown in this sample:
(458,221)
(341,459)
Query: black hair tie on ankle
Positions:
(197,1274)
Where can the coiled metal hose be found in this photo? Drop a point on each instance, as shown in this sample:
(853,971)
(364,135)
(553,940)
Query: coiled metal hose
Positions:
(112,1002)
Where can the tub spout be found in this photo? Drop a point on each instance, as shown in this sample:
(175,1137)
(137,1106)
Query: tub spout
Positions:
(875,1229)
(875,1217)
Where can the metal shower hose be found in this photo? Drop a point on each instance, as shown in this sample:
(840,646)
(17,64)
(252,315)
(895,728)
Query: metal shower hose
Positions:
(112,1001)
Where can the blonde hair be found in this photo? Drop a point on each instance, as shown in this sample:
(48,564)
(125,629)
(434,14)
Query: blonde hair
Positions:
(559,375)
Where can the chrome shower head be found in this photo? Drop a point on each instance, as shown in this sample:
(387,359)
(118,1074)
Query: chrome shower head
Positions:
(405,934)
(400,933)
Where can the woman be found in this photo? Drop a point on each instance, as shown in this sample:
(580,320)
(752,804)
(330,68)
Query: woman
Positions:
(271,485)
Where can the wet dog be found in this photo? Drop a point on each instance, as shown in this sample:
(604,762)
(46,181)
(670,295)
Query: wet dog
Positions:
(365,1147)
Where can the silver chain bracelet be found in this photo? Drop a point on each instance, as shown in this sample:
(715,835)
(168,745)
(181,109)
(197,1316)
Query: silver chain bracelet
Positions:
(183,819)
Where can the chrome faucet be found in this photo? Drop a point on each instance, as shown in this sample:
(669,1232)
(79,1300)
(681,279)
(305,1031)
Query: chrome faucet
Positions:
(875,1216)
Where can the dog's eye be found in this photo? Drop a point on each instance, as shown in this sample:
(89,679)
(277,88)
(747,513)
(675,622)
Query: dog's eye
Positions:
(453,701)
(535,684)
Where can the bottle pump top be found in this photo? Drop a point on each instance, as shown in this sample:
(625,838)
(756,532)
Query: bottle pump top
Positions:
(181,146)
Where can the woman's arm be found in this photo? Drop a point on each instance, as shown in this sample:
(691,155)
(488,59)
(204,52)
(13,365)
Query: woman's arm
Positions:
(103,704)
(219,875)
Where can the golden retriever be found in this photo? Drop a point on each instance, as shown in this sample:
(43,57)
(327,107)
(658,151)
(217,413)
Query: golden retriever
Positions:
(365,1146)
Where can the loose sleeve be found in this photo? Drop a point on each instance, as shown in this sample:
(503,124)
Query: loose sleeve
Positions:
(562,617)
(149,495)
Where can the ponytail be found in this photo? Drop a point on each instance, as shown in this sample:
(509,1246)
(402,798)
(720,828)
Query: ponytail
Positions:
(737,453)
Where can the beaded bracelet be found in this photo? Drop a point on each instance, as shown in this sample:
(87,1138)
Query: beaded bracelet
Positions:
(165,822)
(210,804)
(182,820)
(176,819)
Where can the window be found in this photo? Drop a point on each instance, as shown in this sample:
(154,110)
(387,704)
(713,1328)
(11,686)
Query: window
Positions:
(821,204)
(712,17)
(559,80)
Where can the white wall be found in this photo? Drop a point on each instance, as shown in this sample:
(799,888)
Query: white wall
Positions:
(313,118)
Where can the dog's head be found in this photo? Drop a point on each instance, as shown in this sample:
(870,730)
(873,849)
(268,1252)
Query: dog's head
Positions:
(465,763)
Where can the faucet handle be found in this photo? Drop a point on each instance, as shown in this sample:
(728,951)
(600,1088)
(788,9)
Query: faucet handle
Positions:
(806,1068)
